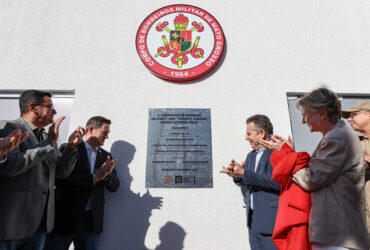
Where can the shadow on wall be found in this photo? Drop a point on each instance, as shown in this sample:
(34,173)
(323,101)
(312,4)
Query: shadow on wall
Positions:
(172,237)
(126,217)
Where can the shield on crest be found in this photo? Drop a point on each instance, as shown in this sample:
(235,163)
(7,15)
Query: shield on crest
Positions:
(180,40)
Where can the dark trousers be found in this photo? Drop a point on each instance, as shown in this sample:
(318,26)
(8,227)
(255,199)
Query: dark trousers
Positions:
(84,237)
(257,240)
(34,242)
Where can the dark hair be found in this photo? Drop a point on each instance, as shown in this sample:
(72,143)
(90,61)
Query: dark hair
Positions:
(97,121)
(31,96)
(261,122)
(321,98)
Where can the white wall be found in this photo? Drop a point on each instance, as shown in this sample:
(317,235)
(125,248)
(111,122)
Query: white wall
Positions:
(273,47)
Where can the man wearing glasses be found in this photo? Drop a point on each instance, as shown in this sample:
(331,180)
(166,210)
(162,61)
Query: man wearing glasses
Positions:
(359,118)
(28,174)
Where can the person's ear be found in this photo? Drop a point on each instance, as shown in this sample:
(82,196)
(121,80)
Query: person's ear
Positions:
(32,107)
(323,113)
(90,129)
(263,134)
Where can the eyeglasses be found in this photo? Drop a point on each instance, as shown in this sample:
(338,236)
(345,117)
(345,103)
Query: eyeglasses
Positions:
(352,114)
(49,106)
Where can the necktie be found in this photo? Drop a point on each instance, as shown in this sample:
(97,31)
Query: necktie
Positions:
(38,133)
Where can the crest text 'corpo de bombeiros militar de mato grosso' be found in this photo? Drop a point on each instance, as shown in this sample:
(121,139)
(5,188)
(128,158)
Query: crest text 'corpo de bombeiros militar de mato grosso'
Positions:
(180,42)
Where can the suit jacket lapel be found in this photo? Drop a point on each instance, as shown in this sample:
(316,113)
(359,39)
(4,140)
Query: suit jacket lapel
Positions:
(99,158)
(252,162)
(32,139)
(249,165)
(265,155)
(26,128)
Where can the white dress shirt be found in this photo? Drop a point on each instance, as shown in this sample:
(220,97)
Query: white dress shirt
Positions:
(258,157)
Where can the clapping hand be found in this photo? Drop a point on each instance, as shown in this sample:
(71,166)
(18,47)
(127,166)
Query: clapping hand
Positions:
(234,169)
(53,133)
(276,143)
(105,169)
(12,141)
(76,136)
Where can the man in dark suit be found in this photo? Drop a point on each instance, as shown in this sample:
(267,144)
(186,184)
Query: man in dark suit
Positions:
(80,197)
(262,193)
(27,175)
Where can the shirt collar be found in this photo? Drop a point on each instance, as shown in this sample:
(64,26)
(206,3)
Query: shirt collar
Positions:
(260,150)
(88,147)
(32,126)
(36,131)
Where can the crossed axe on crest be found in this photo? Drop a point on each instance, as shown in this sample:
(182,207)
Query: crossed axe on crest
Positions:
(180,58)
(196,26)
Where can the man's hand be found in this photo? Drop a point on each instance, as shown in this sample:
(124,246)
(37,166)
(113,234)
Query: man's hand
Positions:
(367,160)
(75,137)
(234,169)
(105,169)
(12,141)
(54,130)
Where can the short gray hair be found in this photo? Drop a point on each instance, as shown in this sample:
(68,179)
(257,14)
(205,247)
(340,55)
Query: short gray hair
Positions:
(97,121)
(261,122)
(321,98)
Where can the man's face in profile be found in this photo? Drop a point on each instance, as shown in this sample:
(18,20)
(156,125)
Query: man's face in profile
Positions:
(45,112)
(100,134)
(252,136)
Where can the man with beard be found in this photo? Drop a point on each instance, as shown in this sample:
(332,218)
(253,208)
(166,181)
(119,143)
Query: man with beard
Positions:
(28,174)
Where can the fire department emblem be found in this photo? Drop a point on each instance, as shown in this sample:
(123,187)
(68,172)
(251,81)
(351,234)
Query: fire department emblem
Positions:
(167,179)
(180,42)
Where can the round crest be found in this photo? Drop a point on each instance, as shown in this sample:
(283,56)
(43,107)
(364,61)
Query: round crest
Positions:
(180,42)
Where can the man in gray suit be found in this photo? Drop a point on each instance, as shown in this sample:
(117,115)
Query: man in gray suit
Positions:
(28,174)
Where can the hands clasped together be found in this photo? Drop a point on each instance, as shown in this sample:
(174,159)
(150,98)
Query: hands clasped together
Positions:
(234,169)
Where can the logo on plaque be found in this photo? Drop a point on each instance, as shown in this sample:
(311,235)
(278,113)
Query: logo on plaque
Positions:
(180,42)
(178,179)
(167,179)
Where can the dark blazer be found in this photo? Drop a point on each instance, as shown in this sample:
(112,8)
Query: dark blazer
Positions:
(265,192)
(27,182)
(72,193)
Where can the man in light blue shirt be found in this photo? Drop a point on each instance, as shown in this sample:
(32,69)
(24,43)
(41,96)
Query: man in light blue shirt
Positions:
(80,197)
(262,193)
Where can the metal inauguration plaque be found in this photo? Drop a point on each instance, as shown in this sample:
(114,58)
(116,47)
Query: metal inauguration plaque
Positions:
(179,150)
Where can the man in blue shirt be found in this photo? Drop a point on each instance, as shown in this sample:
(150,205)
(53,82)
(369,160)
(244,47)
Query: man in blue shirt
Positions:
(262,193)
